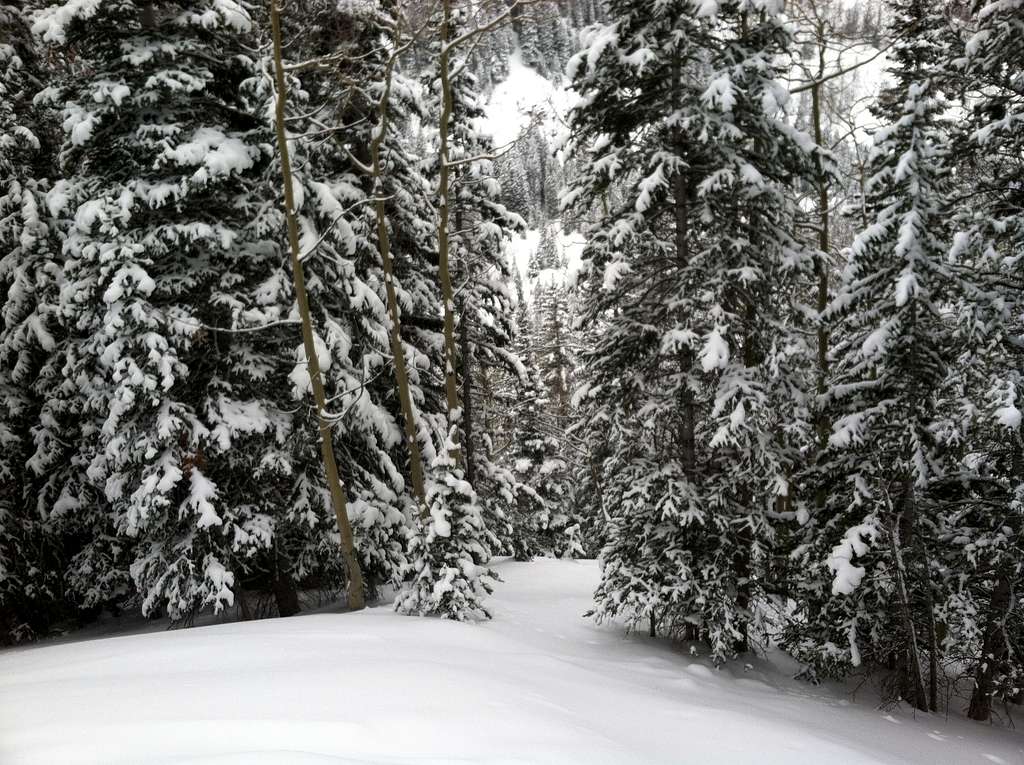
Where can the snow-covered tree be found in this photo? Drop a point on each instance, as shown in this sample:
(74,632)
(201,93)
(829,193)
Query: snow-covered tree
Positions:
(472,226)
(30,268)
(989,534)
(867,594)
(690,279)
(544,524)
(545,518)
(172,269)
(449,554)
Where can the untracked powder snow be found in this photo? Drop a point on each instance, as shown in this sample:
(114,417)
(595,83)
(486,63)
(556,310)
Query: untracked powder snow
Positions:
(538,684)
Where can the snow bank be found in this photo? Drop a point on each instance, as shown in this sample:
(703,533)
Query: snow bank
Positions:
(538,684)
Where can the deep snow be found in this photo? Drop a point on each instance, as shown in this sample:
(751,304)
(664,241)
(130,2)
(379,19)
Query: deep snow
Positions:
(537,684)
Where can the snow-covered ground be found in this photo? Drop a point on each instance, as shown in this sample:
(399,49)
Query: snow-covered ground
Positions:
(537,684)
(522,96)
(569,247)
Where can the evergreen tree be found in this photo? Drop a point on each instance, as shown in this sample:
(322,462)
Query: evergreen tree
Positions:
(690,279)
(545,518)
(868,594)
(552,339)
(184,469)
(544,525)
(988,547)
(453,540)
(31,548)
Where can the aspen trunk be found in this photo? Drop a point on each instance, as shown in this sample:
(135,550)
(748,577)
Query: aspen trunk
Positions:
(356,599)
(681,209)
(451,386)
(821,273)
(395,328)
(933,636)
(398,351)
(933,652)
(467,368)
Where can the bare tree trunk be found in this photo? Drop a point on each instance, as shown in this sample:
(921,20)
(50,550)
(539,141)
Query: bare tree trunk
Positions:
(395,329)
(356,599)
(444,272)
(821,272)
(467,368)
(681,209)
(933,651)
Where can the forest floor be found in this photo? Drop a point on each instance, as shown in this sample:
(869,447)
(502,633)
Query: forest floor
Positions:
(537,684)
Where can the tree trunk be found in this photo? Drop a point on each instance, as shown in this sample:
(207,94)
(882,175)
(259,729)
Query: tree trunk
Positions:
(913,659)
(742,572)
(933,637)
(339,500)
(821,272)
(242,598)
(744,536)
(687,437)
(993,649)
(395,328)
(467,370)
(286,596)
(451,386)
(681,209)
(933,652)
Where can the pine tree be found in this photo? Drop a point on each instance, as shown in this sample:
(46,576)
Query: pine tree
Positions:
(483,270)
(552,337)
(689,278)
(868,557)
(172,251)
(453,540)
(30,546)
(546,523)
(989,539)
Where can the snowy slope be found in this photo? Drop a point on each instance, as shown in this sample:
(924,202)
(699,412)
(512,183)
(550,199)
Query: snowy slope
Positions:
(538,684)
(569,247)
(524,95)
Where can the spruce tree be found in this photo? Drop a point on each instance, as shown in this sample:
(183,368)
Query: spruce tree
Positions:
(867,593)
(689,277)
(31,548)
(172,251)
(546,523)
(452,542)
(989,538)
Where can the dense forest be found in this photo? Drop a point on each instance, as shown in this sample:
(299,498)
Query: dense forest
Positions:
(282,322)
